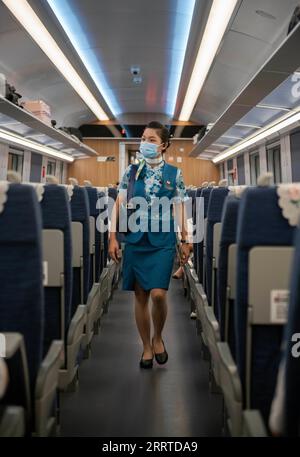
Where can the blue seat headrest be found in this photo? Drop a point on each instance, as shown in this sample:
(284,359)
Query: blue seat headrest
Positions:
(93,198)
(229,219)
(205,193)
(112,192)
(215,204)
(198,191)
(20,215)
(80,204)
(55,208)
(260,220)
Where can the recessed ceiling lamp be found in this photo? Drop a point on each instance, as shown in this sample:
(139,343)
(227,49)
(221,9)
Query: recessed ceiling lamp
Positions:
(217,23)
(36,29)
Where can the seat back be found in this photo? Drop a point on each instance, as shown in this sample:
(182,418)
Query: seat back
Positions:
(228,237)
(195,252)
(94,234)
(101,243)
(56,215)
(205,193)
(21,272)
(214,214)
(105,237)
(292,351)
(260,223)
(80,213)
(113,193)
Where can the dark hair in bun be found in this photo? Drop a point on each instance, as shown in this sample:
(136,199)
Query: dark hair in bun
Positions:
(162,132)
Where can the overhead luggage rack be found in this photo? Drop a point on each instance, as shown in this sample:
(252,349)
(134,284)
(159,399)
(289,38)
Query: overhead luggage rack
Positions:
(14,119)
(265,98)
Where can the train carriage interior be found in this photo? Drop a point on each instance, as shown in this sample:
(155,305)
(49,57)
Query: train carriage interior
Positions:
(80,81)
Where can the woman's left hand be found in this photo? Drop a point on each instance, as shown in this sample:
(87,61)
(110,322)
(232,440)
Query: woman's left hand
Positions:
(185,252)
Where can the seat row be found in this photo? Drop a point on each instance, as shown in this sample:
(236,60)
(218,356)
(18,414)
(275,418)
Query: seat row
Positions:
(55,284)
(241,284)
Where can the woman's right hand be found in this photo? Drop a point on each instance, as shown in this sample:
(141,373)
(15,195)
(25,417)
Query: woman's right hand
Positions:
(113,250)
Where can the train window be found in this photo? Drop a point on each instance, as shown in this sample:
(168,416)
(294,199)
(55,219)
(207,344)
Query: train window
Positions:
(222,171)
(132,156)
(295,155)
(254,168)
(51,167)
(15,161)
(274,162)
(229,172)
(61,172)
(241,169)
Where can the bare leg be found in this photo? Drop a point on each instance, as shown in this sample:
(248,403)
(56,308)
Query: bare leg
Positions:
(159,315)
(142,318)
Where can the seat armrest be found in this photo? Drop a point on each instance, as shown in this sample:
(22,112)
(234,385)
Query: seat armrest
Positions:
(14,342)
(201,294)
(3,378)
(52,362)
(212,321)
(253,424)
(12,423)
(46,389)
(231,368)
(80,315)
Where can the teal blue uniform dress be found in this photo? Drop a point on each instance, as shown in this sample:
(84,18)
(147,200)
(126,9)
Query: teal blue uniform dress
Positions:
(149,255)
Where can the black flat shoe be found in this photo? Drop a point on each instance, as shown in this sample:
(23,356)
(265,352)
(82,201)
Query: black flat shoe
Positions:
(161,357)
(146,363)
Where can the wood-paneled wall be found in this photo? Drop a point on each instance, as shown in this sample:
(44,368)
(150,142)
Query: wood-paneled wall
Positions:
(99,173)
(195,171)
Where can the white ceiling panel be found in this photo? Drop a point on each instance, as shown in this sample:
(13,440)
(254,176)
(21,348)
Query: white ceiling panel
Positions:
(259,25)
(116,34)
(251,39)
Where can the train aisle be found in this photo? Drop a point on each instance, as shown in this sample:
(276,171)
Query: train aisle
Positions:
(117,398)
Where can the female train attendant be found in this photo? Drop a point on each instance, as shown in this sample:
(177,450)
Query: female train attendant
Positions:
(149,253)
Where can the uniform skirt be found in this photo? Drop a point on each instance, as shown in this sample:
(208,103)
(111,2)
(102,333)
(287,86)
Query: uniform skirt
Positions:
(149,266)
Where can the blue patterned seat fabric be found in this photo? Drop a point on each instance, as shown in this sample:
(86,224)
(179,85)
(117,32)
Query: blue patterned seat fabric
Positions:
(93,197)
(56,214)
(21,277)
(292,366)
(228,237)
(260,223)
(80,213)
(214,214)
(205,194)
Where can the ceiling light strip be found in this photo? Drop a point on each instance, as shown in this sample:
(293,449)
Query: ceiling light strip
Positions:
(269,130)
(218,20)
(278,108)
(33,25)
(30,145)
(75,28)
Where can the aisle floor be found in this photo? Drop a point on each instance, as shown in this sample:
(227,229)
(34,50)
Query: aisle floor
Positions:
(117,398)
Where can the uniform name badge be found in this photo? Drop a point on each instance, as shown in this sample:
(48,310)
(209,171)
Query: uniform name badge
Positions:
(168,185)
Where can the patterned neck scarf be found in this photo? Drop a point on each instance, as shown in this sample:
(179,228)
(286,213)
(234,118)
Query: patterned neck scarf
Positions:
(159,160)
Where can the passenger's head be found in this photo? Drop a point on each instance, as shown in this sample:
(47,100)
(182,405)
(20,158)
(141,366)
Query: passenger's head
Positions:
(51,179)
(13,176)
(158,134)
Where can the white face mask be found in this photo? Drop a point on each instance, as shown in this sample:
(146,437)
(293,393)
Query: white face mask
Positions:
(150,152)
